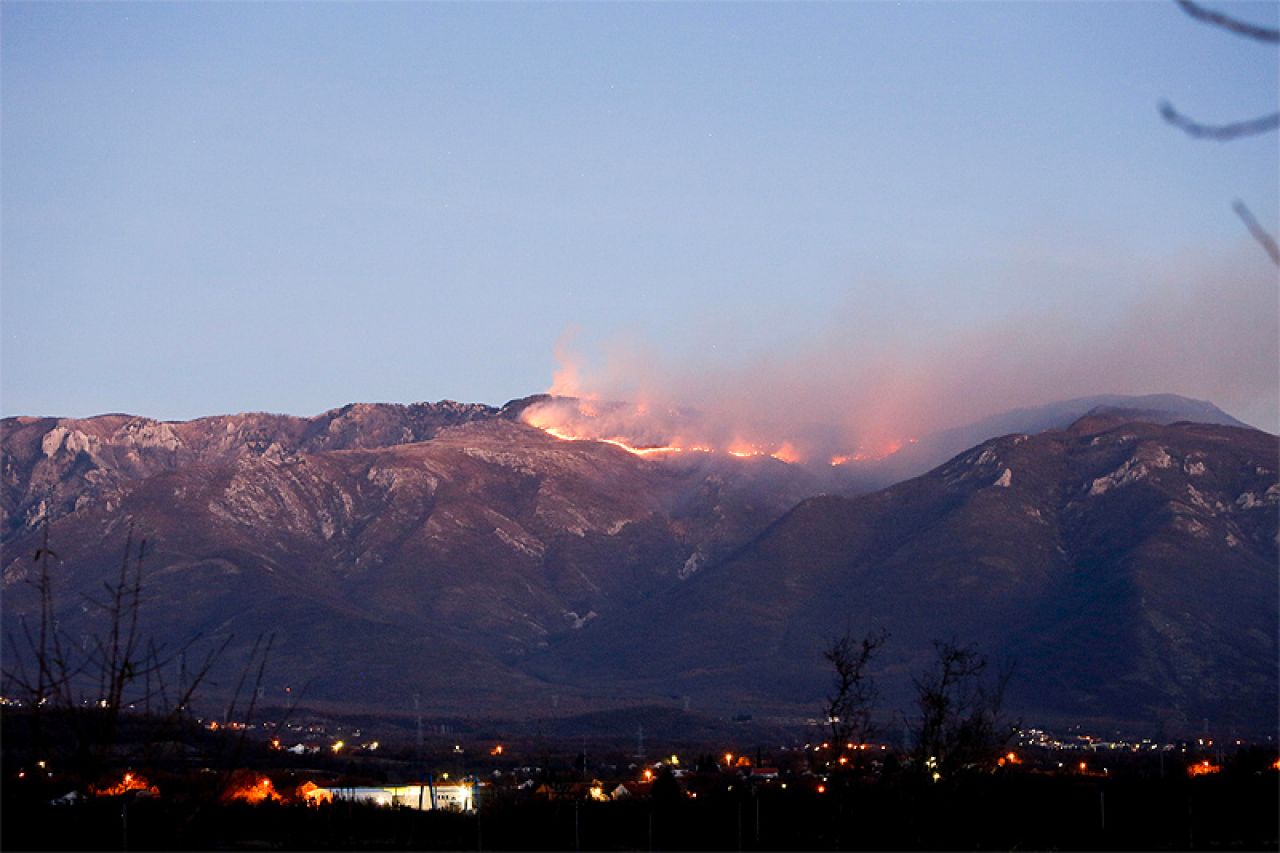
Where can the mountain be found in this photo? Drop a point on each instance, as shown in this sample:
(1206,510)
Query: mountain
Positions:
(1129,570)
(383,563)
(451,551)
(935,448)
(54,466)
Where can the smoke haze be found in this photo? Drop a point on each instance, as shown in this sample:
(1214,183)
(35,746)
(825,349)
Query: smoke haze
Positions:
(880,372)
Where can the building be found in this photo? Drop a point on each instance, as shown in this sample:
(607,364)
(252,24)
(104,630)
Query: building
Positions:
(449,796)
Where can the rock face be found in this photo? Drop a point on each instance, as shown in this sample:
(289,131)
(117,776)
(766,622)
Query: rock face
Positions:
(1128,569)
(55,466)
(388,549)
(450,551)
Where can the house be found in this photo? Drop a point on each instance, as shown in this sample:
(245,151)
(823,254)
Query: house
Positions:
(626,790)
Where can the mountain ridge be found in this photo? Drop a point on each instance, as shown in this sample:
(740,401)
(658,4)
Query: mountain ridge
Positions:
(940,557)
(573,569)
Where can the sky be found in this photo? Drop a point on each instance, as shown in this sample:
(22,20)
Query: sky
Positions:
(905,214)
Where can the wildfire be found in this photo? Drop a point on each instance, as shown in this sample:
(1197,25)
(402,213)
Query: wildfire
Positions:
(1008,758)
(564,435)
(651,432)
(786,453)
(743,450)
(312,794)
(250,787)
(130,781)
(1203,768)
(865,454)
(545,420)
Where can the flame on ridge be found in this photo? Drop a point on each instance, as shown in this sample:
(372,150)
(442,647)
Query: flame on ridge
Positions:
(564,435)
(863,454)
(641,430)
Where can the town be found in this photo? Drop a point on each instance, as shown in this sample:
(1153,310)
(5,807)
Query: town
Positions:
(329,782)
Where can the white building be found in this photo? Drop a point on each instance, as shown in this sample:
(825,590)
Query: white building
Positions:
(450,796)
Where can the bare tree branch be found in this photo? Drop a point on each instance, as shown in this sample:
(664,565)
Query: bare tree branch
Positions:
(1219,132)
(961,726)
(1217,19)
(1259,233)
(850,705)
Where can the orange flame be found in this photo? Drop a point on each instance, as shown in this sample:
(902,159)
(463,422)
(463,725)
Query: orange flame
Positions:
(130,781)
(250,787)
(640,430)
(872,454)
(543,419)
(786,453)
(312,794)
(1204,768)
(743,449)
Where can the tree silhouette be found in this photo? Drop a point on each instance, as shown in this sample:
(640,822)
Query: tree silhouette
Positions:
(960,725)
(853,693)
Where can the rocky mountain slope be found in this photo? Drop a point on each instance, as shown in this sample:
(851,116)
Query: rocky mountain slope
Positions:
(1129,569)
(453,552)
(383,568)
(53,466)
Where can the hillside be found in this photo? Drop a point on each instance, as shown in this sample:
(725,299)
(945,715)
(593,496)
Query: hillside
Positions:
(386,570)
(452,552)
(1129,569)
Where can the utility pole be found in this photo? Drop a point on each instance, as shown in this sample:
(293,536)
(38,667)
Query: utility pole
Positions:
(417,709)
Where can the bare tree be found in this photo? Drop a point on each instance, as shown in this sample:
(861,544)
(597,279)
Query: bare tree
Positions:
(853,691)
(85,685)
(1218,19)
(1260,234)
(1236,129)
(960,725)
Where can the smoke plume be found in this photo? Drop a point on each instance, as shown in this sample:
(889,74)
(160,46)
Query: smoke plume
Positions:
(866,379)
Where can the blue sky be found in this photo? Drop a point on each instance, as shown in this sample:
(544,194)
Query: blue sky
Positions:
(225,207)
